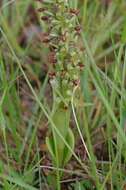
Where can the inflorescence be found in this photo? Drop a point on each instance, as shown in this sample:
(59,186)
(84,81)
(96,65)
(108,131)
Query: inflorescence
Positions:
(61,36)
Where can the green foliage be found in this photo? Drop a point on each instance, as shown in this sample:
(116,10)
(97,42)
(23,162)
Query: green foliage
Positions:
(25,104)
(124,32)
(60,153)
(83,185)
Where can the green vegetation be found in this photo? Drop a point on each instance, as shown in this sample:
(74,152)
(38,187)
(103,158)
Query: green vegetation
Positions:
(63,103)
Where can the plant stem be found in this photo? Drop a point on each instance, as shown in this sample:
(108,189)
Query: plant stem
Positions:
(58,180)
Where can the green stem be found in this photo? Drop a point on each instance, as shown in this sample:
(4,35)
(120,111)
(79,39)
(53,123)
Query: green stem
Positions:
(58,179)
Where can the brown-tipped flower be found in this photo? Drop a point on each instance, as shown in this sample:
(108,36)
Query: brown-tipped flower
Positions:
(76,82)
(78,29)
(42,9)
(81,65)
(45,18)
(52,75)
(45,38)
(74,11)
(52,57)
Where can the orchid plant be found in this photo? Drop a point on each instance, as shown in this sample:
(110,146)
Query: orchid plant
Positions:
(61,37)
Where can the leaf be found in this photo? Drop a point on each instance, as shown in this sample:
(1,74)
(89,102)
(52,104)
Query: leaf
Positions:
(123,35)
(61,120)
(59,151)
(67,153)
(50,145)
(17,181)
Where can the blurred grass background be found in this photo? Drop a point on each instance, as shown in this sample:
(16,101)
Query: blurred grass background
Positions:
(25,94)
